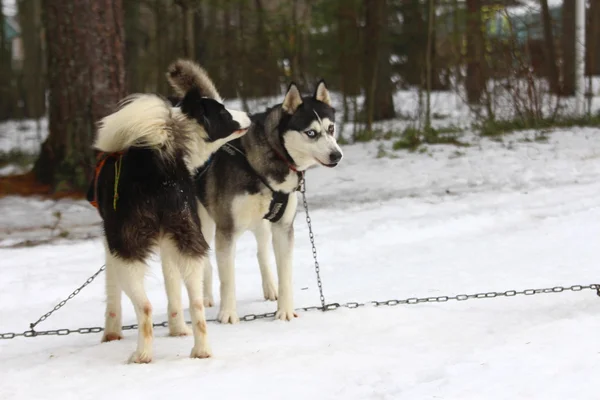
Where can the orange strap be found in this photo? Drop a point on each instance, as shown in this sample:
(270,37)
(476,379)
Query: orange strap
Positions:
(101,157)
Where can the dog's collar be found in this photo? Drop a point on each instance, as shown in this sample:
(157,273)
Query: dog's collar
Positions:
(284,159)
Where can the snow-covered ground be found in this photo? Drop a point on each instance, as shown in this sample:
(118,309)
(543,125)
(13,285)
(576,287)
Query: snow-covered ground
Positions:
(495,216)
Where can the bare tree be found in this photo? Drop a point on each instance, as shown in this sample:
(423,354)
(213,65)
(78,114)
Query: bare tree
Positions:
(568,48)
(379,103)
(86,78)
(475,80)
(551,67)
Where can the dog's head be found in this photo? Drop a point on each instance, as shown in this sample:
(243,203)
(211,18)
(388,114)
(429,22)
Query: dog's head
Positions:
(307,128)
(200,101)
(218,121)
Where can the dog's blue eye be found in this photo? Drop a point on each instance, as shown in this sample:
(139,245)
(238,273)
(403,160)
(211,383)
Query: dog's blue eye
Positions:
(311,133)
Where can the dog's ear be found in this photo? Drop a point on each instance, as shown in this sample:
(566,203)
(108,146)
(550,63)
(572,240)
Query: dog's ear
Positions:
(292,99)
(322,94)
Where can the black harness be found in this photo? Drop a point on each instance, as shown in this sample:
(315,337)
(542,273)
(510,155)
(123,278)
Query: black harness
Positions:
(279,199)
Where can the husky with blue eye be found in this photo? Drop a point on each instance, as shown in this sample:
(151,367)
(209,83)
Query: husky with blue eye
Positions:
(145,193)
(251,184)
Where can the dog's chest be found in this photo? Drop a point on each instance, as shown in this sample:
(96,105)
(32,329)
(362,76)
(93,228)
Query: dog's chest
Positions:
(249,209)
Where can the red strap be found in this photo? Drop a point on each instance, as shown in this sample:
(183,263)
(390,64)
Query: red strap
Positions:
(101,157)
(290,165)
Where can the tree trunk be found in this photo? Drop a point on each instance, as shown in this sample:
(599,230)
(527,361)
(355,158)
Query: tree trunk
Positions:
(30,19)
(475,80)
(551,67)
(593,39)
(86,77)
(568,48)
(7,100)
(379,103)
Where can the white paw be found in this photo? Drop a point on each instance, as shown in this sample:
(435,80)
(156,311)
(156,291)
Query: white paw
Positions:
(286,314)
(228,317)
(180,330)
(209,301)
(140,357)
(201,352)
(111,336)
(270,291)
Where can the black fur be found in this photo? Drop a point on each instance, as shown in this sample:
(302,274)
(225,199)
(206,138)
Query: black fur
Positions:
(226,174)
(156,193)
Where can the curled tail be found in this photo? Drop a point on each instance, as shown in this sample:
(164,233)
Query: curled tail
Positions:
(141,120)
(185,75)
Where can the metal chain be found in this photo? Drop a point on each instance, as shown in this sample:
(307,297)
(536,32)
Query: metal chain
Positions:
(312,242)
(463,297)
(62,303)
(336,306)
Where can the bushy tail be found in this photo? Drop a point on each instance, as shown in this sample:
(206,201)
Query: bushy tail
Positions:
(185,75)
(141,120)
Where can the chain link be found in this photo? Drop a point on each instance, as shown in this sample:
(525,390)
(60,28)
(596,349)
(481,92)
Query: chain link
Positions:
(335,306)
(463,297)
(62,303)
(312,242)
(324,307)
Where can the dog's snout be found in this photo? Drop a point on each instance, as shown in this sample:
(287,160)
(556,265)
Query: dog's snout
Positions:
(335,157)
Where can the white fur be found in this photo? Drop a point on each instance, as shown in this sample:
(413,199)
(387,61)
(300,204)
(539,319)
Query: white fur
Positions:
(141,121)
(292,100)
(247,211)
(129,277)
(240,117)
(307,152)
(322,94)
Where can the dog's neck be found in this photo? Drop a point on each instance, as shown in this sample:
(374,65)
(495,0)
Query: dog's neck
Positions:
(268,161)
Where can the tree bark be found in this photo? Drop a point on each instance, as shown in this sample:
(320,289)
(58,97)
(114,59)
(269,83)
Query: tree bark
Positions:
(475,80)
(568,48)
(86,79)
(551,67)
(7,100)
(379,103)
(30,19)
(593,38)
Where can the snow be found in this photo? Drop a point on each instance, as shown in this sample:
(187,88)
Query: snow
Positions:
(499,215)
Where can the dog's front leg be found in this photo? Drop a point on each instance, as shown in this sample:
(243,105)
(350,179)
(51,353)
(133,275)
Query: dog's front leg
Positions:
(283,246)
(225,254)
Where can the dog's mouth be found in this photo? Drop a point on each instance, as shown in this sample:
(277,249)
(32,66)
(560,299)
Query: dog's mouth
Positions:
(241,131)
(328,165)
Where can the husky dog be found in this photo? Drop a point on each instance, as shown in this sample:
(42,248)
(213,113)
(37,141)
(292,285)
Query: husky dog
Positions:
(144,191)
(250,184)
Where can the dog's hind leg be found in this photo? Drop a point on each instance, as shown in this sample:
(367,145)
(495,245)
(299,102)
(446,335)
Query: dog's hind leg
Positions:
(262,233)
(131,278)
(113,316)
(190,267)
(172,276)
(208,231)
(225,251)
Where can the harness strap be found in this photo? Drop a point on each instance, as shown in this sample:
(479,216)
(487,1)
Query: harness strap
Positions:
(279,200)
(101,158)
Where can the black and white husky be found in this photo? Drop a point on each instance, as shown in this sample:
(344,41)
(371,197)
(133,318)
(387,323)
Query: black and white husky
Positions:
(145,194)
(250,184)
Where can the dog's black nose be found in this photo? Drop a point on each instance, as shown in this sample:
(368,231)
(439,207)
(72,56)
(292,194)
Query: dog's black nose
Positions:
(335,157)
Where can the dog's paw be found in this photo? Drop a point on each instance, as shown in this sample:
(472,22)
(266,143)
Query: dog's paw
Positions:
(286,314)
(228,317)
(181,330)
(111,336)
(201,352)
(270,291)
(140,358)
(209,301)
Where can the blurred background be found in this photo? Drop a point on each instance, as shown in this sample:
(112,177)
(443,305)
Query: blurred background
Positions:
(412,71)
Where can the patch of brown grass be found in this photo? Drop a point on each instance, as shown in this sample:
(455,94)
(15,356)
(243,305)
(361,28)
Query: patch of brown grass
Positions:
(27,185)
